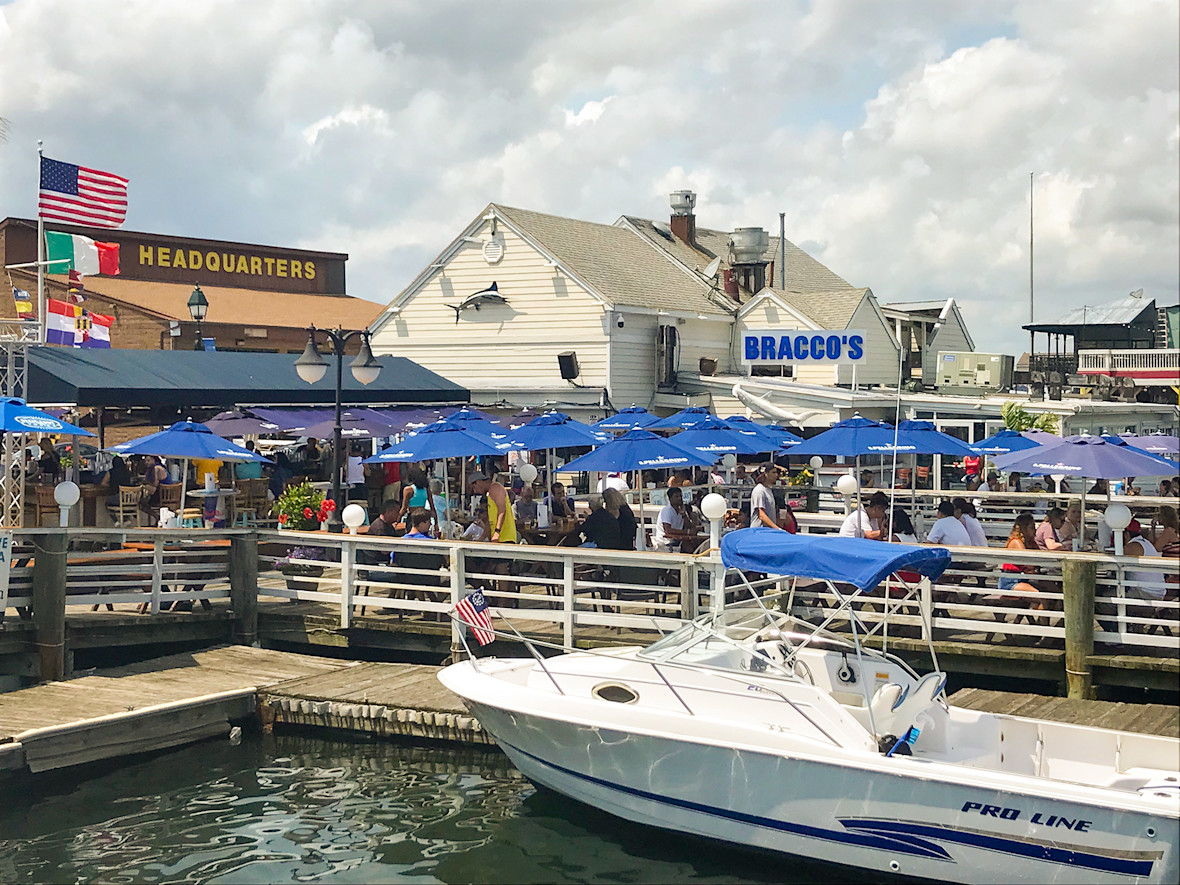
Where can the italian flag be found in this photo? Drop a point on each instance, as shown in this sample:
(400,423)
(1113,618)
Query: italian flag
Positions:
(74,252)
(70,325)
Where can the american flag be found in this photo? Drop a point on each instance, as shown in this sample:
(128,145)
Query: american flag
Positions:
(473,611)
(77,195)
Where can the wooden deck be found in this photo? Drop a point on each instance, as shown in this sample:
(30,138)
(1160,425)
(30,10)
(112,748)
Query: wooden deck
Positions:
(388,700)
(142,707)
(1158,719)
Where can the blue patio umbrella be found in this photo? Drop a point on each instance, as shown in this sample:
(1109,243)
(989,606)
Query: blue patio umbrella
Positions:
(554,430)
(849,438)
(441,440)
(1090,457)
(1153,443)
(1003,442)
(240,423)
(921,438)
(1041,437)
(468,414)
(639,450)
(354,424)
(714,437)
(682,419)
(186,440)
(627,419)
(781,438)
(16,416)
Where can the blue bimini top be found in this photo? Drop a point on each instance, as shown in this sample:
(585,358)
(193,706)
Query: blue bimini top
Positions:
(857,561)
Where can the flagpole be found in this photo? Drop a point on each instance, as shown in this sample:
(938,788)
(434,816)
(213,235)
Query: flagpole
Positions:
(41,318)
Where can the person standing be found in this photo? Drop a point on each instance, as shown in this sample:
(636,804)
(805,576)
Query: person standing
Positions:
(763,508)
(501,523)
(248,469)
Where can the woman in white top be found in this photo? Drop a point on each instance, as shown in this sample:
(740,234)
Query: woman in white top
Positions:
(1143,584)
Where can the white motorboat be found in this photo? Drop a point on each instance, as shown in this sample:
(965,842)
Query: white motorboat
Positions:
(752,727)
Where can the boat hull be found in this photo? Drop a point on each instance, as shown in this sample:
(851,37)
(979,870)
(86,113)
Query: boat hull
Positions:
(913,826)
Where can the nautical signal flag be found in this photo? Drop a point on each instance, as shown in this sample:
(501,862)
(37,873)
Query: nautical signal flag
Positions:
(24,304)
(78,195)
(74,252)
(76,287)
(69,325)
(473,611)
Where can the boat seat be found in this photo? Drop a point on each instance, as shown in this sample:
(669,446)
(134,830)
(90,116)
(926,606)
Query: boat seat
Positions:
(895,708)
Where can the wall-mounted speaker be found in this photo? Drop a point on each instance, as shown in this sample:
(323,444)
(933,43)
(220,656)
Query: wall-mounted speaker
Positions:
(568,363)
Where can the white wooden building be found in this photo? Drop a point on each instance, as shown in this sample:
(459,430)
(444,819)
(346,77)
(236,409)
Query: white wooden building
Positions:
(649,311)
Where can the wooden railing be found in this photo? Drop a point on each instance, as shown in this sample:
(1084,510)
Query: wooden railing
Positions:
(1111,602)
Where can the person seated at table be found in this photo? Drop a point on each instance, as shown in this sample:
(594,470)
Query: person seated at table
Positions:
(281,475)
(1070,525)
(526,506)
(1142,584)
(118,475)
(670,531)
(385,524)
(1046,534)
(477,529)
(559,505)
(867,479)
(947,529)
(248,469)
(614,502)
(965,513)
(868,520)
(1100,487)
(900,528)
(49,463)
(419,526)
(733,520)
(155,475)
(601,527)
(740,477)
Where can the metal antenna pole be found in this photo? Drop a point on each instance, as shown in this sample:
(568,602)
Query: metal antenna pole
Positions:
(1031,318)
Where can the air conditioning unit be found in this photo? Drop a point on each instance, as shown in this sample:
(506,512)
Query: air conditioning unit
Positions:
(979,373)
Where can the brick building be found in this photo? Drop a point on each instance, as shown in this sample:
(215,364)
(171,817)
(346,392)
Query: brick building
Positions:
(261,298)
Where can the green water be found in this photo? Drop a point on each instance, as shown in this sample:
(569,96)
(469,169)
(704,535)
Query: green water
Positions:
(296,809)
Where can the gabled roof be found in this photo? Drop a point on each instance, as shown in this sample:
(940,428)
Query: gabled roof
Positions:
(619,267)
(804,273)
(933,309)
(829,310)
(769,294)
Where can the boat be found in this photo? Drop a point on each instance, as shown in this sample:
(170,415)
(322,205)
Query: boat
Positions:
(753,726)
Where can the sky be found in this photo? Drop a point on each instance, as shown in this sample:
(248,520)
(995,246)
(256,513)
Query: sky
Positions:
(898,138)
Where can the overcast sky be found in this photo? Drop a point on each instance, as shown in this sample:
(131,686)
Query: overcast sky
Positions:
(897,137)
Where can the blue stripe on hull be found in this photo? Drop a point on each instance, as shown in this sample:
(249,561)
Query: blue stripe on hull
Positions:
(907,837)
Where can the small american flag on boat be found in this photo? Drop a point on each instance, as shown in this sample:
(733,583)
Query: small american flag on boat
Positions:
(473,611)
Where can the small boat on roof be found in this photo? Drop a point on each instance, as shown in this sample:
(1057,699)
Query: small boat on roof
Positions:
(750,726)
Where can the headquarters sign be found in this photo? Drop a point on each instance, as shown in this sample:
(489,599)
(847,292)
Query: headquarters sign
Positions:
(802,348)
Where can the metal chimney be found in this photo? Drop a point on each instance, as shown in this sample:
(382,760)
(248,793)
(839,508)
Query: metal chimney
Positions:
(683,222)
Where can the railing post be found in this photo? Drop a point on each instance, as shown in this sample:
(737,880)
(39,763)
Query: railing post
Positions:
(347,553)
(690,588)
(927,603)
(567,604)
(157,574)
(243,587)
(1078,577)
(49,602)
(458,581)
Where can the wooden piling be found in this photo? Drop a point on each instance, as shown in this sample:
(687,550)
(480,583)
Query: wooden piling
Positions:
(243,588)
(49,603)
(1078,577)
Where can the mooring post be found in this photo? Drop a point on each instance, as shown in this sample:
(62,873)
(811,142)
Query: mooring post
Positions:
(1078,578)
(243,588)
(49,602)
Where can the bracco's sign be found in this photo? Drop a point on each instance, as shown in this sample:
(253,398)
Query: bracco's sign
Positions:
(779,346)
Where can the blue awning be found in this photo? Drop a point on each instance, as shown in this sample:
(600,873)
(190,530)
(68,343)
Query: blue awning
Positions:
(856,561)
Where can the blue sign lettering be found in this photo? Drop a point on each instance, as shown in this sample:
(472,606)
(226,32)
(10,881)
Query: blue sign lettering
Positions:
(829,347)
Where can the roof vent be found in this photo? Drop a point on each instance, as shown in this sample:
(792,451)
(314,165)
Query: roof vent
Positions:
(682,202)
(749,244)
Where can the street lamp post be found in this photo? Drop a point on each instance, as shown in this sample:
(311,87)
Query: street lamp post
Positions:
(198,306)
(311,367)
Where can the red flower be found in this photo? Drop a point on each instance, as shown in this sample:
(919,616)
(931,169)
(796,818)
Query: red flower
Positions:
(307,514)
(330,504)
(283,518)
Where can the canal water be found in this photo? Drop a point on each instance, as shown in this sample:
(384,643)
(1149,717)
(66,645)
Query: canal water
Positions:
(290,808)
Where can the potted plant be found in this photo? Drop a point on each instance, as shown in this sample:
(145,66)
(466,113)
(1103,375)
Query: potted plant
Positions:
(294,570)
(302,507)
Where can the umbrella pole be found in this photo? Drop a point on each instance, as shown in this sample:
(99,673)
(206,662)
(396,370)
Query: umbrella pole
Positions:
(641,532)
(446,495)
(183,493)
(1081,538)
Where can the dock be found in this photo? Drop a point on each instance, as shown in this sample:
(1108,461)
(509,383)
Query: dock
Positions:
(1158,719)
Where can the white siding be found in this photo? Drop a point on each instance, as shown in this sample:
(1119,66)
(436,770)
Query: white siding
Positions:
(516,344)
(632,361)
(704,338)
(949,336)
(880,363)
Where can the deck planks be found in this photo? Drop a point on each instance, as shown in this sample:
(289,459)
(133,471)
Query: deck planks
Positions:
(1158,719)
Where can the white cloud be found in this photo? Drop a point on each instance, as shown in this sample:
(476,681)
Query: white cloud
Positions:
(897,138)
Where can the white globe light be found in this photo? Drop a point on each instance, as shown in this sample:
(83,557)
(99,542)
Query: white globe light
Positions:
(353,516)
(66,494)
(527,472)
(1117,516)
(816,462)
(729,461)
(714,506)
(847,484)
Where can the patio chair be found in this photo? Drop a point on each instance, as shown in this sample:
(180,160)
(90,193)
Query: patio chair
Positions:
(125,511)
(44,503)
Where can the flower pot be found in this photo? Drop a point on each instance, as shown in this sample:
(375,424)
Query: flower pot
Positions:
(294,572)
